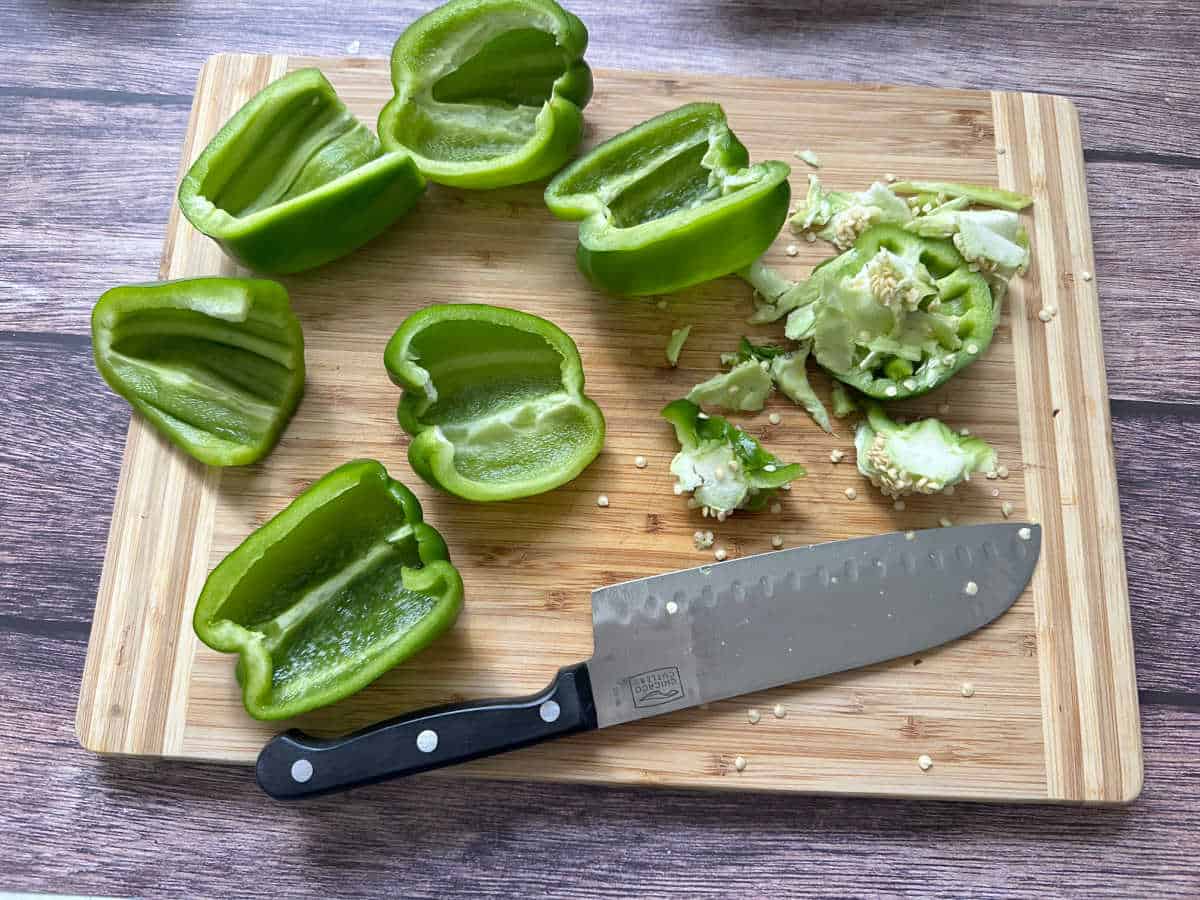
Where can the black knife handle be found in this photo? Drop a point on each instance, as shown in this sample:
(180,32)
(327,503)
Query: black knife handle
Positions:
(293,765)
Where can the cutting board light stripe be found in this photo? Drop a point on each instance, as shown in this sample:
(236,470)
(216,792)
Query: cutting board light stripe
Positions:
(1092,732)
(1054,712)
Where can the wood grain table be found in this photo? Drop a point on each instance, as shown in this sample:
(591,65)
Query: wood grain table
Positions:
(94,99)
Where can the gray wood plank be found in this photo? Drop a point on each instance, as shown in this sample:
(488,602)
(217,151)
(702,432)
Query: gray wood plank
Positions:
(1123,62)
(88,192)
(156,828)
(1158,485)
(1147,250)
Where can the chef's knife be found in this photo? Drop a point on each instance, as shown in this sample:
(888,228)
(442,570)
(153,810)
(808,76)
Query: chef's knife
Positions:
(677,640)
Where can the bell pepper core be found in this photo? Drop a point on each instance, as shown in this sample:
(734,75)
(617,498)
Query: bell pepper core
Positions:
(215,364)
(709,448)
(494,400)
(343,584)
(294,180)
(922,457)
(489,93)
(953,325)
(670,203)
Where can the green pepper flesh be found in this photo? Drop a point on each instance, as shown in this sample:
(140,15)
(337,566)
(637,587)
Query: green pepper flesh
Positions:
(494,400)
(670,203)
(215,364)
(489,93)
(294,180)
(342,585)
(708,442)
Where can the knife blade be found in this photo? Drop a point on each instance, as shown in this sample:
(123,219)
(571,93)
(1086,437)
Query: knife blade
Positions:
(672,641)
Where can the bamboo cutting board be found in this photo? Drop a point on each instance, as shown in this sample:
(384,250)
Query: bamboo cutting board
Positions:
(1054,713)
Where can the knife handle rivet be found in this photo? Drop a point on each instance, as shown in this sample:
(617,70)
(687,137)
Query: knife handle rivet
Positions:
(549,711)
(427,741)
(302,771)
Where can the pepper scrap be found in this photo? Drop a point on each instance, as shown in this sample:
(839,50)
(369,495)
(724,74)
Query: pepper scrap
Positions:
(923,457)
(744,388)
(294,180)
(844,402)
(215,364)
(489,93)
(840,217)
(670,203)
(724,468)
(494,400)
(982,195)
(787,370)
(675,343)
(342,585)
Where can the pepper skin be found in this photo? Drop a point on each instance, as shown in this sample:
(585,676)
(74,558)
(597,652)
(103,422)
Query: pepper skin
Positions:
(494,400)
(215,364)
(489,93)
(294,180)
(342,585)
(670,203)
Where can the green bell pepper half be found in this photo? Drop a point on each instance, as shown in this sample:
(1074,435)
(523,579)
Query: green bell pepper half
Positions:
(215,364)
(670,203)
(489,93)
(343,584)
(294,180)
(494,400)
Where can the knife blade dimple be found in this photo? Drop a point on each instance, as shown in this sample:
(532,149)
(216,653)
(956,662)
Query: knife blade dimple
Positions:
(851,570)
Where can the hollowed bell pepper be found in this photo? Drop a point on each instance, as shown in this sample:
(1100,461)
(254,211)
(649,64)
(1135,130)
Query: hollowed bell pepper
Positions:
(216,364)
(670,203)
(294,180)
(336,589)
(489,93)
(494,400)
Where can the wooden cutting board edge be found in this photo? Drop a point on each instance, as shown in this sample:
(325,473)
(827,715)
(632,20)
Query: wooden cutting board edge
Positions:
(133,703)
